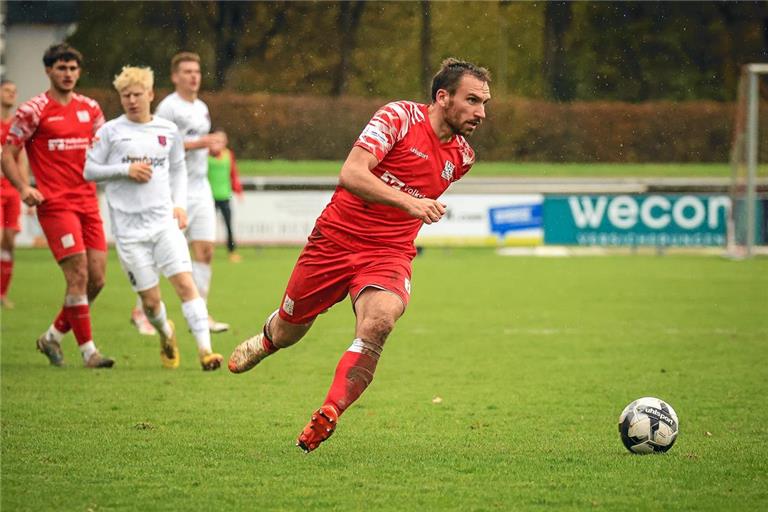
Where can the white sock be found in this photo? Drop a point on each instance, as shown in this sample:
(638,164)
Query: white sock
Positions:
(201,274)
(196,313)
(87,349)
(160,320)
(54,334)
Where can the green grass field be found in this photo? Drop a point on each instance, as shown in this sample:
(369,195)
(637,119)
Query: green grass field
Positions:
(534,359)
(512,169)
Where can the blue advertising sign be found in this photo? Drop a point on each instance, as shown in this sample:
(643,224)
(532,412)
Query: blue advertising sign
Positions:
(505,219)
(658,220)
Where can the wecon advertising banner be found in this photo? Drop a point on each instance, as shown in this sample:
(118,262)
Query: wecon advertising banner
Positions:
(658,220)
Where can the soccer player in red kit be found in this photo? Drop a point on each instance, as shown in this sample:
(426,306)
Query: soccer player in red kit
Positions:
(362,243)
(10,209)
(56,127)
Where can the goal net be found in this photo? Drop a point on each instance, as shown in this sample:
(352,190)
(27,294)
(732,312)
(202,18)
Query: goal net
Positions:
(749,164)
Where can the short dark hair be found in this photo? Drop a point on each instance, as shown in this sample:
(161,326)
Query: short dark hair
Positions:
(451,72)
(4,81)
(61,51)
(183,57)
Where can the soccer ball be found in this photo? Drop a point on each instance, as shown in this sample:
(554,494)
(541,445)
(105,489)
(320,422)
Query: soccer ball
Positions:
(648,425)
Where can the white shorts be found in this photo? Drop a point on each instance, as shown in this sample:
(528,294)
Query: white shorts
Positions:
(142,262)
(202,219)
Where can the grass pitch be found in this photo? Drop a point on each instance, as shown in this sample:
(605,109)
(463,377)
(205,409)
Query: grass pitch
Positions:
(533,359)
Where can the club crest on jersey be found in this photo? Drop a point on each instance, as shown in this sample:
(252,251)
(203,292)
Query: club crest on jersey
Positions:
(447,173)
(83,116)
(162,140)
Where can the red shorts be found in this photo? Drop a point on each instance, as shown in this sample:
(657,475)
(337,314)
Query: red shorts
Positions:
(326,273)
(11,209)
(72,231)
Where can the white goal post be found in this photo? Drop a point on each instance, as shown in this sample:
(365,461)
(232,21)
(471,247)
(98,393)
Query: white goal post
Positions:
(744,160)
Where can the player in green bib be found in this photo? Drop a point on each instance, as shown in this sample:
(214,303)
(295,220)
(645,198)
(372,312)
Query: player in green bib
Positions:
(224,179)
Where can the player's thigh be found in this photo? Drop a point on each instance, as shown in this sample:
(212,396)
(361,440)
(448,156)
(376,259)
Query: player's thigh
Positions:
(201,251)
(75,270)
(184,285)
(62,230)
(201,225)
(137,261)
(8,239)
(385,271)
(319,280)
(170,252)
(376,312)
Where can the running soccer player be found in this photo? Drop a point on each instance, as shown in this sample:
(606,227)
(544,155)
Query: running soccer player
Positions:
(10,210)
(362,243)
(140,157)
(56,127)
(190,114)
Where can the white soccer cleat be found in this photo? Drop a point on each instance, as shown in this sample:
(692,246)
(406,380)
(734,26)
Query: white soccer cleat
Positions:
(248,354)
(217,327)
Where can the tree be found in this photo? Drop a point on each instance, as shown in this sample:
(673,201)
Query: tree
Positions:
(557,22)
(348,22)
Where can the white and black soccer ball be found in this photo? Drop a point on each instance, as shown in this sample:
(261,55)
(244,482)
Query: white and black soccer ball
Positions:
(648,425)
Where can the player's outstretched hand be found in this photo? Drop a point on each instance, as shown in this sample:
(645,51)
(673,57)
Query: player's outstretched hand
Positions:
(181,217)
(426,209)
(140,172)
(31,196)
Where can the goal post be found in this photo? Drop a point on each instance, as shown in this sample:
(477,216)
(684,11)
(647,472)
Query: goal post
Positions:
(743,225)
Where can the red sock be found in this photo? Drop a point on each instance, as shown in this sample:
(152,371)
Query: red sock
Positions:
(353,374)
(6,271)
(79,318)
(61,323)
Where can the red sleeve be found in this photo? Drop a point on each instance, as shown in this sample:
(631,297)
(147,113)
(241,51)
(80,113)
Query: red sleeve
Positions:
(24,124)
(98,117)
(388,125)
(237,187)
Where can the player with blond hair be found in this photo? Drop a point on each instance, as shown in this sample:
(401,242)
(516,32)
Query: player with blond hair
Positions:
(140,159)
(190,114)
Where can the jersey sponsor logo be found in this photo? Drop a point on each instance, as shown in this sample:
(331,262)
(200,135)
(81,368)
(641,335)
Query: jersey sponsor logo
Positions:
(154,161)
(373,133)
(68,144)
(52,119)
(288,305)
(162,140)
(419,154)
(395,182)
(447,173)
(83,116)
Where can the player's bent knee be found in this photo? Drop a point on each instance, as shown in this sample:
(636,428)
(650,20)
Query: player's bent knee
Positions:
(376,328)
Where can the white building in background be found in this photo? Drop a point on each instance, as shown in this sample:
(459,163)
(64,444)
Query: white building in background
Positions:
(26,30)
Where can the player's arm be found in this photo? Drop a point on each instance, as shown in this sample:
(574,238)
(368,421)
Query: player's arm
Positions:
(234,175)
(11,169)
(356,176)
(98,169)
(177,169)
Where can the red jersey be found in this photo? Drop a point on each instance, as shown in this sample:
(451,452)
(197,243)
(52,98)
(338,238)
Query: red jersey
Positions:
(411,159)
(5,184)
(56,138)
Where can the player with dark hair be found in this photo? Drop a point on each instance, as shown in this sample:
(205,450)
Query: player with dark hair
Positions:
(56,127)
(9,196)
(362,243)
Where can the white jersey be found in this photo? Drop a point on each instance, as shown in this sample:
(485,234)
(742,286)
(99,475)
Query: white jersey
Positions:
(194,121)
(139,210)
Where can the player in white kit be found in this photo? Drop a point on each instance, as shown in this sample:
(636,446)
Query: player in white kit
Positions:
(140,158)
(191,115)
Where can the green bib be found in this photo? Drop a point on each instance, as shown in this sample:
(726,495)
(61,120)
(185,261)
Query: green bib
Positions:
(218,175)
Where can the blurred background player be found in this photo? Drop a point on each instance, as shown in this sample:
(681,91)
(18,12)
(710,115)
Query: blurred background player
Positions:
(11,200)
(140,157)
(56,127)
(362,243)
(224,179)
(191,115)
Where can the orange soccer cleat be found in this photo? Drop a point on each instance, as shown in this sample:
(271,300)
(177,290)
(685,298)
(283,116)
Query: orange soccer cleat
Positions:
(320,427)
